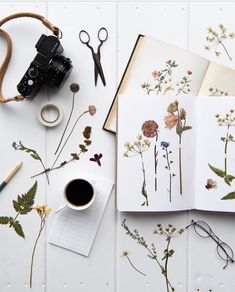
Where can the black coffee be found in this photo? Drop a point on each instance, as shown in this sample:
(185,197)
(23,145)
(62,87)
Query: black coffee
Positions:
(79,192)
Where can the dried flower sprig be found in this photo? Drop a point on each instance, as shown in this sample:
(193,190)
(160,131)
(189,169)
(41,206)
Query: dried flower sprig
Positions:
(23,205)
(43,211)
(217,92)
(91,110)
(167,153)
(150,130)
(137,149)
(176,117)
(227,121)
(184,84)
(74,156)
(169,233)
(162,79)
(74,87)
(215,39)
(33,153)
(126,255)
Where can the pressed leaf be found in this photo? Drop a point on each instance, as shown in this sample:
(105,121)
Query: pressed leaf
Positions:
(217,171)
(229,196)
(179,129)
(24,203)
(227,181)
(18,229)
(185,128)
(5,220)
(87,142)
(34,156)
(230,177)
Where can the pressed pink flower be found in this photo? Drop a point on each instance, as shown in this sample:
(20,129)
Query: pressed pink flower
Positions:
(92,110)
(155,73)
(168,62)
(149,128)
(189,72)
(170,120)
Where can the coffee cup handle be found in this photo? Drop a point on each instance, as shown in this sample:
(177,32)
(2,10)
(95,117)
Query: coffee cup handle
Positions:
(60,208)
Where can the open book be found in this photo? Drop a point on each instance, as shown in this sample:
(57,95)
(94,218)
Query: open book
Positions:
(176,153)
(157,68)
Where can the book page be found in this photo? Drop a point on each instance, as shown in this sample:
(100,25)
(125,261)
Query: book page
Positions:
(218,81)
(158,68)
(215,154)
(155,159)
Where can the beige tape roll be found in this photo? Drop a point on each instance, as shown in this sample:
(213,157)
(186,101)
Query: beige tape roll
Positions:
(50,114)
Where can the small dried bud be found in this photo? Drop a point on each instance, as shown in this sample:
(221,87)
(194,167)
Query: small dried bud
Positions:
(74,87)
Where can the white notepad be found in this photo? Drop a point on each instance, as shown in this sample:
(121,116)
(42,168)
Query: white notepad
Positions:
(76,230)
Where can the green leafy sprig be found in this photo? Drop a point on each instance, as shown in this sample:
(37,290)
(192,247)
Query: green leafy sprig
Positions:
(33,153)
(169,233)
(23,205)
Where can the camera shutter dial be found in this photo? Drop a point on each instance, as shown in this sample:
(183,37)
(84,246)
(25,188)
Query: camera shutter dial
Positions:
(33,72)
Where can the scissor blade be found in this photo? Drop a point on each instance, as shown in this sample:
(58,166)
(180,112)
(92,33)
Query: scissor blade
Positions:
(96,74)
(99,68)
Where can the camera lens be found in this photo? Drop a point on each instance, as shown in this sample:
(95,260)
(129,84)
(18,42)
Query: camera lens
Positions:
(58,70)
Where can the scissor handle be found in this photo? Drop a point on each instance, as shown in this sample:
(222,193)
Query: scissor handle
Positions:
(102,34)
(85,34)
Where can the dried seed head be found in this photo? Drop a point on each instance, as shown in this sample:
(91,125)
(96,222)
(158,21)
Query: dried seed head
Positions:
(74,87)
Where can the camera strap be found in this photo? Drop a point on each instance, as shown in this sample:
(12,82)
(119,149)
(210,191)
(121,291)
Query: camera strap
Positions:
(3,68)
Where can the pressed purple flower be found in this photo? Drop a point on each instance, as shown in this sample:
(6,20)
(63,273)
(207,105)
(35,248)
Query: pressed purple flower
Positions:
(15,145)
(164,144)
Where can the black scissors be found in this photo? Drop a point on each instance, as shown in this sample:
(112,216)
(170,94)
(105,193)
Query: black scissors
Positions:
(85,39)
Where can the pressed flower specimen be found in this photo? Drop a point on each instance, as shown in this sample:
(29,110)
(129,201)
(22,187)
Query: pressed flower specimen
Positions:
(73,156)
(176,118)
(42,211)
(167,153)
(211,184)
(227,121)
(162,79)
(23,205)
(125,254)
(169,233)
(215,39)
(138,148)
(150,130)
(184,84)
(217,92)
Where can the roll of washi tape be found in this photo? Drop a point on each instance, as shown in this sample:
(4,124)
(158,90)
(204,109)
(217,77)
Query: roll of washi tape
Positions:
(50,114)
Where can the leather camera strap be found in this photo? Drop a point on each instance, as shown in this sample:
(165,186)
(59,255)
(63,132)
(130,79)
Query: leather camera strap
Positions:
(55,30)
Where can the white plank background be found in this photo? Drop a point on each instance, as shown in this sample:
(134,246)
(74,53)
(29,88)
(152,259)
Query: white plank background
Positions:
(195,266)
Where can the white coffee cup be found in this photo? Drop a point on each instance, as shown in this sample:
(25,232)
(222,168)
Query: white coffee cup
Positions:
(79,194)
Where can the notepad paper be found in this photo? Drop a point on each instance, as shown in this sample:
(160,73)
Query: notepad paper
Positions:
(76,230)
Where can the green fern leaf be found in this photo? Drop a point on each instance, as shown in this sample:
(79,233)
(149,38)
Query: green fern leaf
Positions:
(18,229)
(24,203)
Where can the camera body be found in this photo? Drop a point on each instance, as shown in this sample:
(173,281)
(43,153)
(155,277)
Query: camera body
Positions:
(49,67)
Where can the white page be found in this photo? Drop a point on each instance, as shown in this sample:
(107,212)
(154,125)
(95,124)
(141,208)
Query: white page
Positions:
(210,149)
(219,80)
(133,111)
(75,230)
(153,55)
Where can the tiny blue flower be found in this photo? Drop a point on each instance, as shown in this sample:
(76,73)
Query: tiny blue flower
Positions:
(14,145)
(164,144)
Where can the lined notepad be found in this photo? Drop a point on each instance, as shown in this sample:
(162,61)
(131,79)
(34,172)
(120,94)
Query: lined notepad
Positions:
(76,230)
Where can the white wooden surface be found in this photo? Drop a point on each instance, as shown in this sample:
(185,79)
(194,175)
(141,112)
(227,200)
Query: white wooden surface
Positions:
(195,265)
